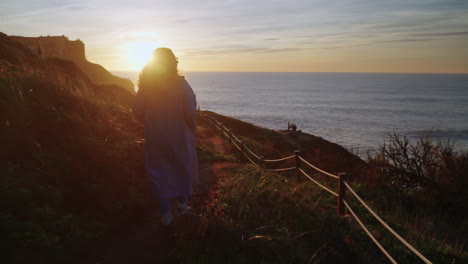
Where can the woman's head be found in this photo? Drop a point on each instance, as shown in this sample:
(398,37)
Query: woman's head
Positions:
(164,61)
(161,69)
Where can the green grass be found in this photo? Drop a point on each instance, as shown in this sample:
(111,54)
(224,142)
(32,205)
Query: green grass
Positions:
(72,174)
(259,217)
(255,216)
(207,154)
(437,236)
(72,170)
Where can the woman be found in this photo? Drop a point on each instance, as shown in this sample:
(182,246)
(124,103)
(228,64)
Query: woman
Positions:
(166,104)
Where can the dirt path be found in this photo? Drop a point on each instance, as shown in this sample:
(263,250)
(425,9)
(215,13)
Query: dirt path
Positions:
(206,135)
(148,241)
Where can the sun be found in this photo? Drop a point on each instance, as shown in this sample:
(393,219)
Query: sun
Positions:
(139,53)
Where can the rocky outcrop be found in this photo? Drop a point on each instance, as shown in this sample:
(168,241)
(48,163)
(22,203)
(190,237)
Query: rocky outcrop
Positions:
(54,46)
(74,50)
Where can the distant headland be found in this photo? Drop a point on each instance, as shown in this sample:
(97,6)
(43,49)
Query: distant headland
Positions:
(73,50)
(54,46)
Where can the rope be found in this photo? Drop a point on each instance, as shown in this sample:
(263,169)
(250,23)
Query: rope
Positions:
(251,152)
(369,233)
(245,155)
(234,136)
(387,226)
(393,232)
(322,171)
(282,169)
(274,160)
(235,145)
(316,182)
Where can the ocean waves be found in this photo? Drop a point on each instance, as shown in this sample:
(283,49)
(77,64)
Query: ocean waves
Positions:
(356,110)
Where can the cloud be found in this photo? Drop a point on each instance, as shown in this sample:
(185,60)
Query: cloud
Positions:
(221,51)
(106,57)
(241,50)
(138,39)
(402,40)
(280,50)
(319,42)
(347,46)
(182,21)
(408,22)
(245,27)
(463,33)
(47,10)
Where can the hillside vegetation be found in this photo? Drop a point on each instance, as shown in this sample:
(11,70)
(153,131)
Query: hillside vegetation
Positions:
(72,176)
(71,164)
(63,48)
(256,216)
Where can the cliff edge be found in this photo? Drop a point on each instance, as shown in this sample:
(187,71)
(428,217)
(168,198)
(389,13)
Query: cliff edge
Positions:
(73,50)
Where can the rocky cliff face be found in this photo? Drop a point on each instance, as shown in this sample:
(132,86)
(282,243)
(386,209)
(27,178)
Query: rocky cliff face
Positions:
(62,47)
(55,46)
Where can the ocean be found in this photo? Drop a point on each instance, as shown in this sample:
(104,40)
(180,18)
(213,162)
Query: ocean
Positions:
(355,110)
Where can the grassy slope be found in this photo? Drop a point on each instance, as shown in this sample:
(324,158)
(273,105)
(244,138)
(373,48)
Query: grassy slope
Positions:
(259,217)
(271,145)
(72,169)
(101,76)
(72,172)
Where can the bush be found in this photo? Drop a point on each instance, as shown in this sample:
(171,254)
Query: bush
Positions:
(422,164)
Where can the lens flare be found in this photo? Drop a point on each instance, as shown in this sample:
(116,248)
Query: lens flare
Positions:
(139,53)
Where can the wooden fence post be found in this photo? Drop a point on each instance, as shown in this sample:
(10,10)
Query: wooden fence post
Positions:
(298,173)
(229,132)
(242,146)
(341,192)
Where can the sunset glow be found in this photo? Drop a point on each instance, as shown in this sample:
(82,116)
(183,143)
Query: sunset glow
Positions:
(313,36)
(138,54)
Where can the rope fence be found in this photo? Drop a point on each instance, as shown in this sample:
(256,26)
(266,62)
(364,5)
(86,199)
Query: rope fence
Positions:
(342,185)
(235,145)
(317,169)
(282,169)
(248,158)
(369,233)
(251,152)
(282,159)
(316,182)
(408,245)
(234,136)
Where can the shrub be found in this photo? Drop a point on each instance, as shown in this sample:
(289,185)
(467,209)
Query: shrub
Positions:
(421,164)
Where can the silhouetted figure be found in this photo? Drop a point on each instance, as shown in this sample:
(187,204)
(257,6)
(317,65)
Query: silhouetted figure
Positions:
(292,126)
(166,104)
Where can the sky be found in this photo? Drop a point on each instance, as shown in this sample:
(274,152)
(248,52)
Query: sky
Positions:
(429,36)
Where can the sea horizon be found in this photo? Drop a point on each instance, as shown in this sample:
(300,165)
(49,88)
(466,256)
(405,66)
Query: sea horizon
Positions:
(182,71)
(96,170)
(353,100)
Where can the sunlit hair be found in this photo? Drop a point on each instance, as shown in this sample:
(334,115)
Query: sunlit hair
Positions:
(160,73)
